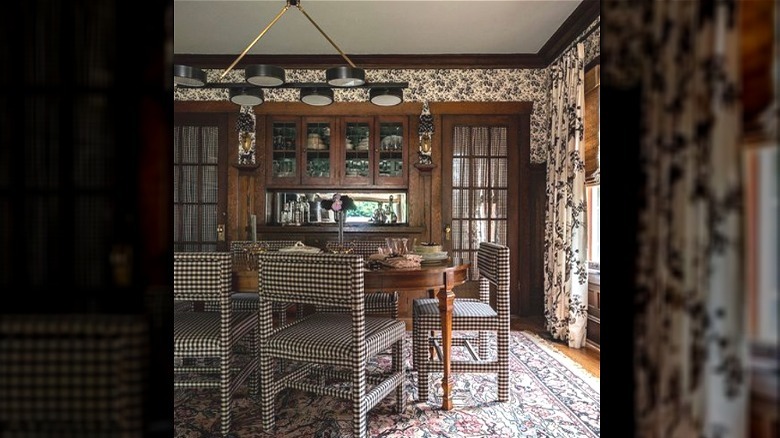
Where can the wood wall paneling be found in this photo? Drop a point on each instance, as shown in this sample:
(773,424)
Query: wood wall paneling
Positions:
(246,187)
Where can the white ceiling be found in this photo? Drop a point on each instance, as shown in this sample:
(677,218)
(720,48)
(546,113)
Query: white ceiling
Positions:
(368,27)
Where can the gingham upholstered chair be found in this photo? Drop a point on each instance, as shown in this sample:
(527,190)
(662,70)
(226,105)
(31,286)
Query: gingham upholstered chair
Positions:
(247,301)
(333,344)
(211,335)
(468,315)
(385,303)
(73,375)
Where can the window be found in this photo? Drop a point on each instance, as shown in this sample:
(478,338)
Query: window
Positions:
(761,193)
(592,161)
(593,197)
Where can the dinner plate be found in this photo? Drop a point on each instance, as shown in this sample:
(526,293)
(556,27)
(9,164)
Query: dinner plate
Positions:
(434,257)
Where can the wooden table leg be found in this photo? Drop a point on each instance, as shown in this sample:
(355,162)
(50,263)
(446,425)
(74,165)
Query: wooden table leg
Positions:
(431,348)
(446,297)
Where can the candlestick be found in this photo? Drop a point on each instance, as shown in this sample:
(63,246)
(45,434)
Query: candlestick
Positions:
(253,225)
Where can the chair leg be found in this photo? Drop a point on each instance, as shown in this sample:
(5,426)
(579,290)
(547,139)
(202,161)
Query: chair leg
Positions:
(359,406)
(503,363)
(254,378)
(420,357)
(398,366)
(484,338)
(267,393)
(298,311)
(224,395)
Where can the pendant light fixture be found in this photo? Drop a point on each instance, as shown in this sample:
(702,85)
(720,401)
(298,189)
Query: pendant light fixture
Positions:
(189,76)
(317,96)
(345,76)
(386,96)
(264,75)
(269,76)
(246,96)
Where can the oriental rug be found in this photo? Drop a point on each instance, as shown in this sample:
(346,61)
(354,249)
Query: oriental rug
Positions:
(550,396)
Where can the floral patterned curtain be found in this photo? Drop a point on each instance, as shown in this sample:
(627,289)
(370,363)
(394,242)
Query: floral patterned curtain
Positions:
(690,350)
(565,264)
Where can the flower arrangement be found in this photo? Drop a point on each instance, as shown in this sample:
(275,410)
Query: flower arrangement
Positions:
(338,202)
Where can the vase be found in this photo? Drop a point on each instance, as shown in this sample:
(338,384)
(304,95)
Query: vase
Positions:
(340,221)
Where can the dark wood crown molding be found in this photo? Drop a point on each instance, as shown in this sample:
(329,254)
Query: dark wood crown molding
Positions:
(572,28)
(453,61)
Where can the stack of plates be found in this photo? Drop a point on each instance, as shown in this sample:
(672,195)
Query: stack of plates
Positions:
(434,257)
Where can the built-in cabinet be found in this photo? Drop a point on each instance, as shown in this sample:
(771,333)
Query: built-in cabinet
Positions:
(284,151)
(345,152)
(283,155)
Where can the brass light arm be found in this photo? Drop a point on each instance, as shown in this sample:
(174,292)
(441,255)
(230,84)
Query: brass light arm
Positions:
(343,55)
(278,16)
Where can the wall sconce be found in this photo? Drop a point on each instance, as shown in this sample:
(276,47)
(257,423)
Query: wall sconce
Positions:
(245,126)
(425,132)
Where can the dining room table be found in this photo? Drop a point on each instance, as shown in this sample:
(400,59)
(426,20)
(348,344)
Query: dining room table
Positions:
(437,278)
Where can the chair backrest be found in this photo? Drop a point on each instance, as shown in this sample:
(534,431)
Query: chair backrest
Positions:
(363,247)
(238,246)
(493,267)
(242,257)
(320,279)
(47,388)
(202,276)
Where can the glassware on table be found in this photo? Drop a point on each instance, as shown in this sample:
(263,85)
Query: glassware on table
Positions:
(397,245)
(340,248)
(248,255)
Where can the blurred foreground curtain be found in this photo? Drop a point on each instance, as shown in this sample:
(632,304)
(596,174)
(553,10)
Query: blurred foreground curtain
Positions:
(565,236)
(690,347)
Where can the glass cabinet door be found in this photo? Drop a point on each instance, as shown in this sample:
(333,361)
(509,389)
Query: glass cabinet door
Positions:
(391,166)
(319,151)
(358,151)
(284,140)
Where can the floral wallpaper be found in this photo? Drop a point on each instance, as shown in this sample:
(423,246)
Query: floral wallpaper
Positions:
(433,85)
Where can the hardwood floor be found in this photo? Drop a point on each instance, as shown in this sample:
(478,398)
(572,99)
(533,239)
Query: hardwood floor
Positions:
(589,358)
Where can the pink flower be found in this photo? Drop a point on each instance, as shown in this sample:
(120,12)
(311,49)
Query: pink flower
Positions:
(336,206)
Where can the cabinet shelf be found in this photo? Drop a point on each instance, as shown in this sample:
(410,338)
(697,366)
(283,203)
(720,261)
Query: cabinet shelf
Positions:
(337,151)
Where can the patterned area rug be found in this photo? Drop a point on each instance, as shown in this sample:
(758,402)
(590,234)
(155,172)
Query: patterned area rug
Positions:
(551,396)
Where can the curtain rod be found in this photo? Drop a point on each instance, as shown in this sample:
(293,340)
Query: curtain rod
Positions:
(578,40)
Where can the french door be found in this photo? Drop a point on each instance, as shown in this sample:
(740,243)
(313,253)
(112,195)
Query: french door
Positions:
(484,189)
(199,175)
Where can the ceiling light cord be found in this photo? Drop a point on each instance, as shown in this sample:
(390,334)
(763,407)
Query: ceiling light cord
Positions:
(278,16)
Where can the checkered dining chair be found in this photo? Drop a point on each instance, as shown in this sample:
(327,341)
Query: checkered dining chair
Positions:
(247,301)
(385,303)
(202,338)
(73,375)
(468,315)
(325,347)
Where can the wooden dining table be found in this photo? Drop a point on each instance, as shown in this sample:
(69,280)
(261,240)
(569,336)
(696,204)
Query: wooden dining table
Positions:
(440,278)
